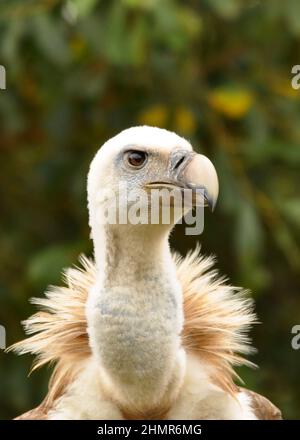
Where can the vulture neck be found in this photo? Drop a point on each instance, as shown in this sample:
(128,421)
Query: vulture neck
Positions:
(127,253)
(135,315)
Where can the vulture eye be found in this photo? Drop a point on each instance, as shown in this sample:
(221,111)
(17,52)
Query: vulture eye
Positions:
(136,159)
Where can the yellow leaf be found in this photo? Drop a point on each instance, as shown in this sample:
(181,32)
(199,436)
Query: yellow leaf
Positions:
(78,46)
(156,115)
(283,87)
(233,103)
(185,121)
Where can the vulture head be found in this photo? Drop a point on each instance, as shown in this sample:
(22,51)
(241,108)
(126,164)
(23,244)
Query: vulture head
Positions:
(147,176)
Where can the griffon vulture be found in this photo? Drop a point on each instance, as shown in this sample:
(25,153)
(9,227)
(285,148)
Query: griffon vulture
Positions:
(138,332)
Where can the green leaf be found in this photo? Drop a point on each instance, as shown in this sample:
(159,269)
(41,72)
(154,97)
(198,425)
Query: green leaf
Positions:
(292,11)
(249,239)
(260,153)
(51,38)
(249,233)
(228,9)
(82,8)
(291,210)
(115,38)
(47,265)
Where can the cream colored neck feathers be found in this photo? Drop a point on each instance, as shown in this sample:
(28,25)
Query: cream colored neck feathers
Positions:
(135,315)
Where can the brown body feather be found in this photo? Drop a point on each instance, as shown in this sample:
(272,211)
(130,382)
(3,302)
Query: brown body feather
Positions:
(217,319)
(262,407)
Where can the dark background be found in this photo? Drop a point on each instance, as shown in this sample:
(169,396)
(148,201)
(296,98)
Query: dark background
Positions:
(215,71)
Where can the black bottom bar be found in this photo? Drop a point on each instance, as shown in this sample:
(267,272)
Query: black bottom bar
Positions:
(143,429)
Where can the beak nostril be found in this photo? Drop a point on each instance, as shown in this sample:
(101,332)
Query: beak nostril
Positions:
(177,165)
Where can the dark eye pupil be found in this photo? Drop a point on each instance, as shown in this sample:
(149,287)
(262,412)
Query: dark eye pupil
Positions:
(136,158)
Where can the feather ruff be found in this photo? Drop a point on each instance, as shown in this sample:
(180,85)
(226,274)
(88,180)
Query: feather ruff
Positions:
(217,318)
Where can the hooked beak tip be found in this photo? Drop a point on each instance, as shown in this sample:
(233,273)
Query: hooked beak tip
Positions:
(210,200)
(211,203)
(201,174)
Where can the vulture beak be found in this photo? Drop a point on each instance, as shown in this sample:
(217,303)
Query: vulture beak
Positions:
(191,171)
(198,173)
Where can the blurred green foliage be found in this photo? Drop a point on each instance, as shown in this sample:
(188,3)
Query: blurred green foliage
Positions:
(215,71)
